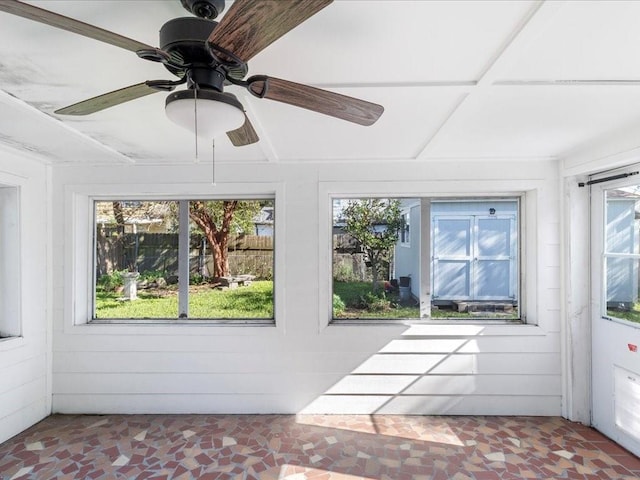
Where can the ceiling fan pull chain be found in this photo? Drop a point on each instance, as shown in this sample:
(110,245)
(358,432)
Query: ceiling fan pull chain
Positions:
(213,162)
(195,120)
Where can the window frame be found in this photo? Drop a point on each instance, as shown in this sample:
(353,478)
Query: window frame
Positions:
(183,237)
(599,221)
(10,262)
(79,252)
(526,191)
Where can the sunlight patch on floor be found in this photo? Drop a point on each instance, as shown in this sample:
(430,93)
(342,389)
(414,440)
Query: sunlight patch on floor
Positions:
(294,472)
(401,426)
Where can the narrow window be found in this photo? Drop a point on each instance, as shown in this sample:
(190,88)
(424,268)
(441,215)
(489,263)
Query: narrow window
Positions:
(405,233)
(10,318)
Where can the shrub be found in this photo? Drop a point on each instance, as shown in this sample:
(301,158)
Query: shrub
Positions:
(111,281)
(150,275)
(338,305)
(343,273)
(375,302)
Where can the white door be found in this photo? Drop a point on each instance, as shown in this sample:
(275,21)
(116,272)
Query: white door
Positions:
(452,257)
(616,311)
(474,257)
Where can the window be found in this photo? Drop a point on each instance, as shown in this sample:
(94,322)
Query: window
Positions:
(463,252)
(622,253)
(405,238)
(10,320)
(184,259)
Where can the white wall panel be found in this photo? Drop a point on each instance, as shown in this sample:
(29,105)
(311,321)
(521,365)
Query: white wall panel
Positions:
(30,368)
(264,403)
(195,383)
(485,385)
(304,364)
(437,405)
(25,395)
(474,405)
(547,343)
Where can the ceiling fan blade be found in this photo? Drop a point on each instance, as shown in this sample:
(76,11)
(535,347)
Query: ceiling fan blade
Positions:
(110,99)
(321,101)
(251,25)
(65,23)
(245,135)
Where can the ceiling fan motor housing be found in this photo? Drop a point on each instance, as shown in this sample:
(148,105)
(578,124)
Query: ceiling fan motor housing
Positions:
(185,40)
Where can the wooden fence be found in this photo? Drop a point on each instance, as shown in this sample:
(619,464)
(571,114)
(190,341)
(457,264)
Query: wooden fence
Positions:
(158,252)
(248,254)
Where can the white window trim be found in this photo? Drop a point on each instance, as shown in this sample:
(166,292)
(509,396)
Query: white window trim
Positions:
(527,191)
(10,260)
(598,233)
(78,279)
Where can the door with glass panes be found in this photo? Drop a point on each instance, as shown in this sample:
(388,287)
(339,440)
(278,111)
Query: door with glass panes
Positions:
(616,310)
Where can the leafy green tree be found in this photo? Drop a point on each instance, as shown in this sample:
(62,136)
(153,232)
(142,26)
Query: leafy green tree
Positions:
(375,223)
(217,220)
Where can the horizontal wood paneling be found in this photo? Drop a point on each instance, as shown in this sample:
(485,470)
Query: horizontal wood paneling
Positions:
(183,340)
(437,405)
(475,405)
(119,383)
(448,385)
(303,363)
(534,385)
(230,404)
(20,420)
(16,399)
(27,349)
(490,363)
(547,344)
(197,384)
(189,362)
(17,375)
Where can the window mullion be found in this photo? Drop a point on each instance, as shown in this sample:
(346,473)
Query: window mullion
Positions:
(425,258)
(183,259)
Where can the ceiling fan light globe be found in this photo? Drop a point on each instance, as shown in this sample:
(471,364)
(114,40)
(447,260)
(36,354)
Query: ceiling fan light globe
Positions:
(213,114)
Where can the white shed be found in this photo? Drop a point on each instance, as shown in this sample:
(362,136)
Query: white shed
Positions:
(474,253)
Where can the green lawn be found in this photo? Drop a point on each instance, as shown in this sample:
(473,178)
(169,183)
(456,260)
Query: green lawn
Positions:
(632,315)
(353,293)
(254,301)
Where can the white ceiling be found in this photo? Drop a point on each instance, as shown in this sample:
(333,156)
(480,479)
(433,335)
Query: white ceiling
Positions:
(473,80)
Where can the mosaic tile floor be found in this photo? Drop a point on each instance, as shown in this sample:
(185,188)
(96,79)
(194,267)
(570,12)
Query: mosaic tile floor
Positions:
(312,447)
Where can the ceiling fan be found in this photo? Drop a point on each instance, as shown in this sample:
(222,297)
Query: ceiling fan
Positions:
(206,56)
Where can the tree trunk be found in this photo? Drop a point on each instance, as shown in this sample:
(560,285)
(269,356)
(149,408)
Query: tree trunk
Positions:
(220,260)
(217,237)
(123,261)
(373,258)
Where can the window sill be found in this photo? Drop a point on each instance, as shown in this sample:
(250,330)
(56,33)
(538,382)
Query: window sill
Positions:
(9,343)
(428,328)
(174,327)
(180,322)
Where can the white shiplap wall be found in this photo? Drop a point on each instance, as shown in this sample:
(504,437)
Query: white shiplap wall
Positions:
(304,364)
(25,391)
